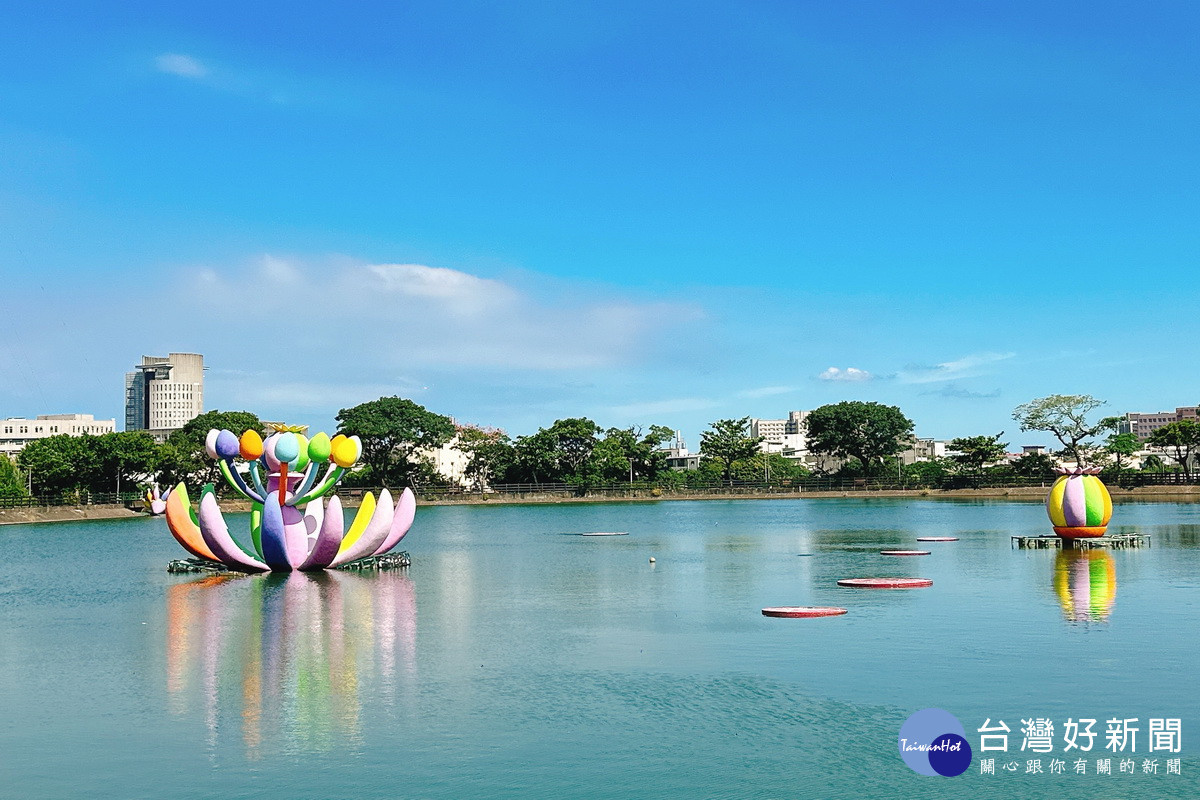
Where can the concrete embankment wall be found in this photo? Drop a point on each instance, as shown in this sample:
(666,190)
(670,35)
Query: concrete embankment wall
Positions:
(1170,494)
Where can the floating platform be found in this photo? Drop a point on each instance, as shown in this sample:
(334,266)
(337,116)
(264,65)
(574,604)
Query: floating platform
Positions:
(1116,541)
(903,552)
(383,562)
(937,538)
(803,612)
(885,583)
(605,533)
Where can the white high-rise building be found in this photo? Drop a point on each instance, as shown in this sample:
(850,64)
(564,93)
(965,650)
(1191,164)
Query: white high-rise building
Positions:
(164,394)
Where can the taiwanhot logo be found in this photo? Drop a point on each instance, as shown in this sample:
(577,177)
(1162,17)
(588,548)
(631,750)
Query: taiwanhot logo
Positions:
(933,742)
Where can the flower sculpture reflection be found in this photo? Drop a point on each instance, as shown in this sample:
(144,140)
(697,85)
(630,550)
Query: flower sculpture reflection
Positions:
(282,537)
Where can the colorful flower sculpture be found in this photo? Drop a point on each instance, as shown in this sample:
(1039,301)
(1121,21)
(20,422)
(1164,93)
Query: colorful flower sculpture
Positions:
(153,501)
(283,537)
(1079,504)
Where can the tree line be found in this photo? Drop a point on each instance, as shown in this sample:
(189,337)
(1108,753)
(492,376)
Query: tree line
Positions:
(865,438)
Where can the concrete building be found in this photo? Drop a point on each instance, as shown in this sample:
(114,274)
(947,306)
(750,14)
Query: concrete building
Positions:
(448,461)
(17,432)
(923,450)
(164,394)
(678,457)
(1142,425)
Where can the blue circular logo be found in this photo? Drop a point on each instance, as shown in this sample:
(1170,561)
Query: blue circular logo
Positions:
(933,742)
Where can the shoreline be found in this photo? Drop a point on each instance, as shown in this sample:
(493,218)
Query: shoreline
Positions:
(1156,494)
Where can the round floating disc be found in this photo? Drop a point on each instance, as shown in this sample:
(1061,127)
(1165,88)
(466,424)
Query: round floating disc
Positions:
(885,583)
(803,611)
(937,538)
(606,533)
(903,552)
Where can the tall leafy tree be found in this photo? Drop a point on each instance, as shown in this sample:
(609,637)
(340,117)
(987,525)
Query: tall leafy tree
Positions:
(1065,416)
(55,464)
(490,455)
(1153,463)
(728,441)
(626,454)
(973,452)
(1180,440)
(535,459)
(869,432)
(1121,446)
(1033,465)
(117,461)
(393,431)
(12,482)
(574,440)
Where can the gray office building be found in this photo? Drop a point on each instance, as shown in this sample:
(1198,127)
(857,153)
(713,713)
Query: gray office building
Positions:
(163,394)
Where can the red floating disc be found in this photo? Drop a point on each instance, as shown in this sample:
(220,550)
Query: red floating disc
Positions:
(937,538)
(903,552)
(885,583)
(803,611)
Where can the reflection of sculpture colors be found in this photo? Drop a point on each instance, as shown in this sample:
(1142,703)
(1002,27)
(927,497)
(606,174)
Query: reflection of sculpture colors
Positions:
(1086,584)
(282,537)
(1079,505)
(294,654)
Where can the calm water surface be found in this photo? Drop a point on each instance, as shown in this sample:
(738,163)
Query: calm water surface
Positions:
(517,660)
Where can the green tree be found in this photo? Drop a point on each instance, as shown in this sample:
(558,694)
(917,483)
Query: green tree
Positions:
(182,458)
(972,452)
(490,455)
(118,461)
(1033,465)
(393,431)
(1122,446)
(12,483)
(624,454)
(1065,416)
(56,464)
(1153,463)
(556,454)
(728,442)
(928,473)
(769,466)
(870,432)
(535,459)
(574,440)
(1181,439)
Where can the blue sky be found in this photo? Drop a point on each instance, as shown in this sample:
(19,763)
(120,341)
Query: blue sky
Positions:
(643,213)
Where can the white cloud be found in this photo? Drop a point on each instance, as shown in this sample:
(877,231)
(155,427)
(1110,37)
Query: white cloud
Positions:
(849,374)
(965,367)
(390,317)
(181,65)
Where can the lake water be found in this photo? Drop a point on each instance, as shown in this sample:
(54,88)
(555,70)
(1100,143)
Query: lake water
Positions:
(516,660)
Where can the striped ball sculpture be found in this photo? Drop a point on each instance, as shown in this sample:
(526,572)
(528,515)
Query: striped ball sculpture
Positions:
(1079,505)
